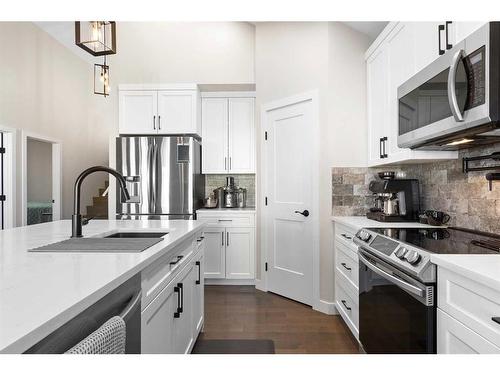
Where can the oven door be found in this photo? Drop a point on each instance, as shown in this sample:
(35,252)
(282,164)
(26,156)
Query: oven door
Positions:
(397,314)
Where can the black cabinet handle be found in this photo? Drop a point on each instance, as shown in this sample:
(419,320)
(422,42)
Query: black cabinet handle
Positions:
(346,236)
(159,122)
(222,233)
(304,213)
(179,257)
(496,319)
(227,238)
(440,29)
(384,143)
(198,263)
(345,266)
(177,290)
(448,44)
(345,305)
(380,148)
(154,122)
(181,307)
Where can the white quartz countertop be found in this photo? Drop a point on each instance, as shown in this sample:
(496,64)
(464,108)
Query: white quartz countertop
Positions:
(248,210)
(359,222)
(39,292)
(483,268)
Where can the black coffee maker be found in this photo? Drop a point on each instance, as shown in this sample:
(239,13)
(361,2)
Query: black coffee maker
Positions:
(396,200)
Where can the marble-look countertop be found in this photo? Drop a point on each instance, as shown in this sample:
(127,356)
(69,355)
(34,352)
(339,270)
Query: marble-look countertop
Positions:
(359,222)
(39,292)
(247,210)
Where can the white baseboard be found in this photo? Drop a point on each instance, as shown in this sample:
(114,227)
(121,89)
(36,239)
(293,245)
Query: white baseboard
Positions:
(229,282)
(326,307)
(259,284)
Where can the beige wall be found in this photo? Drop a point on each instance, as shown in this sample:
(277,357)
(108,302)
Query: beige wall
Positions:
(47,90)
(39,171)
(294,57)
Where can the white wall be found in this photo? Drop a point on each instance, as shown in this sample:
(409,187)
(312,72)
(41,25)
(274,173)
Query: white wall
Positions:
(293,57)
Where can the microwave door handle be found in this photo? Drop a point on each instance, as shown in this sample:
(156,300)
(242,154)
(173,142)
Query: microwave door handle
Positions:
(452,95)
(402,284)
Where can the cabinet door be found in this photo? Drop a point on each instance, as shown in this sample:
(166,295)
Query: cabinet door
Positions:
(183,326)
(177,112)
(461,30)
(427,43)
(377,76)
(241,135)
(198,294)
(215,266)
(401,57)
(137,113)
(214,130)
(157,322)
(240,253)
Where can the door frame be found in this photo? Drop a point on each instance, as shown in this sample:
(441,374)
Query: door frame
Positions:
(10,169)
(56,174)
(312,96)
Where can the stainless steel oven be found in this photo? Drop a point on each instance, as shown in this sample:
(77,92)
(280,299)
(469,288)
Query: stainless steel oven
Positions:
(397,313)
(454,102)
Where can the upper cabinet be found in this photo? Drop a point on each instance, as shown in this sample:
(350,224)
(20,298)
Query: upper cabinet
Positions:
(228,135)
(159,110)
(401,50)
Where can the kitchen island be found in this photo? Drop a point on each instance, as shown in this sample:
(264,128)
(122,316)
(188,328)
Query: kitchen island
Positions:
(39,292)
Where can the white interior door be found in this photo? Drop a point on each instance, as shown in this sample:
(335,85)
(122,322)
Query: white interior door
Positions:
(290,154)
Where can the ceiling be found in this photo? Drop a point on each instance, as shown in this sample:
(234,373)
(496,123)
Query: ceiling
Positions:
(370,28)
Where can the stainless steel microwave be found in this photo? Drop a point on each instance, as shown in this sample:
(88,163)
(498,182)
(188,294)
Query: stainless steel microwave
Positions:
(454,102)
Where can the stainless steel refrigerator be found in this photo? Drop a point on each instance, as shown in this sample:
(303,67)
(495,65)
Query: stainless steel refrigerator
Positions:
(163,175)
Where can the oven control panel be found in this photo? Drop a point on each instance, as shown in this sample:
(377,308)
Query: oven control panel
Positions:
(411,256)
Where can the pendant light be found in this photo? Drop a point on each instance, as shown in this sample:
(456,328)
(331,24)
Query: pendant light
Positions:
(96,37)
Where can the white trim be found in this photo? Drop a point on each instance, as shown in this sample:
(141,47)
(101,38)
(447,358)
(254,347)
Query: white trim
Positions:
(228,94)
(313,96)
(146,86)
(10,160)
(380,38)
(56,174)
(229,282)
(329,308)
(260,285)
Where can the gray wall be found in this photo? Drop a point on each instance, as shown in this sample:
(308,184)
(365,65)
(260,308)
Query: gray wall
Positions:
(39,173)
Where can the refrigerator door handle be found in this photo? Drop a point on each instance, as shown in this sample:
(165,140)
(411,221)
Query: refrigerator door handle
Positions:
(155,173)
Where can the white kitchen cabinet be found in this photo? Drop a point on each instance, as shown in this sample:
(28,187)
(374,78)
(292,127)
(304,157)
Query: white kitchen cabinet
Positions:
(228,133)
(397,54)
(215,252)
(462,30)
(161,109)
(182,329)
(214,130)
(138,110)
(240,245)
(229,246)
(198,293)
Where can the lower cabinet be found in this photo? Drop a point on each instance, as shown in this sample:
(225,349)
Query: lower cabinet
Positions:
(172,321)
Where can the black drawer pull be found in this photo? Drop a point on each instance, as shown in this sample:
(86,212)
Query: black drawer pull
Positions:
(177,290)
(345,305)
(198,263)
(179,257)
(496,319)
(181,307)
(346,236)
(345,266)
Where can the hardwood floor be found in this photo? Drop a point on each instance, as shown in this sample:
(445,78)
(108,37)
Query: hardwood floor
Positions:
(243,312)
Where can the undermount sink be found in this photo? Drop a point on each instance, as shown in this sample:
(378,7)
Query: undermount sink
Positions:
(137,235)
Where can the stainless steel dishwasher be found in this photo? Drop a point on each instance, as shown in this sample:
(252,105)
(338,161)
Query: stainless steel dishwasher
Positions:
(125,301)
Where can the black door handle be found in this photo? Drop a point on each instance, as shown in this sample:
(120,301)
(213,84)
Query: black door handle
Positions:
(448,44)
(440,28)
(199,272)
(303,213)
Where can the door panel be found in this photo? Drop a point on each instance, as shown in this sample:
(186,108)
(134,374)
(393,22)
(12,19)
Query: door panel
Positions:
(215,267)
(240,261)
(198,293)
(138,111)
(289,176)
(182,330)
(427,43)
(215,135)
(177,112)
(241,135)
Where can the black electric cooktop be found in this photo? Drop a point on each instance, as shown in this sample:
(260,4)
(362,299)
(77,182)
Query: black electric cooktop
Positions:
(445,240)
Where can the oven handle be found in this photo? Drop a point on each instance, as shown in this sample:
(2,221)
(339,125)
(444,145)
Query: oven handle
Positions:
(402,284)
(452,95)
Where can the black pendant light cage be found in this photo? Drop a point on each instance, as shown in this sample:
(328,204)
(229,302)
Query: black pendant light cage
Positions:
(101,79)
(96,37)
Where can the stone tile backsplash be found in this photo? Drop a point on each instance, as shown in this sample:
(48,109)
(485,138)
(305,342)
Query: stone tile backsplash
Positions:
(247,181)
(443,187)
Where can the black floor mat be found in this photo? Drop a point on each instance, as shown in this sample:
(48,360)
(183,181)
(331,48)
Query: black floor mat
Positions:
(233,347)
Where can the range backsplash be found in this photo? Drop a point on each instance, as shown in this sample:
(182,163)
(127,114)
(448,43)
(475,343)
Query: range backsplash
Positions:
(443,187)
(247,181)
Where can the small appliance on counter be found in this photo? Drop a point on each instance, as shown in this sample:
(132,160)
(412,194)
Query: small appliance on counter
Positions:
(396,200)
(230,196)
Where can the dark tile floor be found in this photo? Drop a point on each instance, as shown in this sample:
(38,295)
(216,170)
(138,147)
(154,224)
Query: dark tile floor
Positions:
(243,312)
